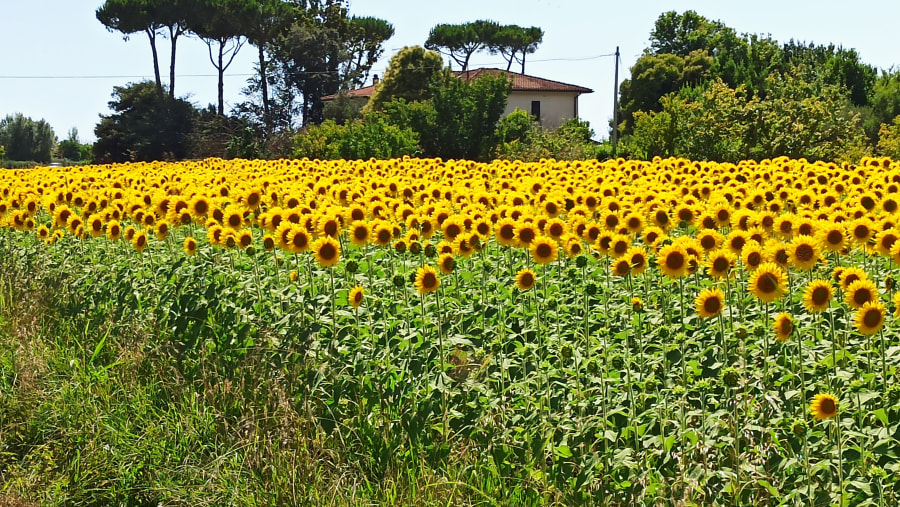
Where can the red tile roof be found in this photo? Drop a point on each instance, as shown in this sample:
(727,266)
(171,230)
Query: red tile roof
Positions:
(520,83)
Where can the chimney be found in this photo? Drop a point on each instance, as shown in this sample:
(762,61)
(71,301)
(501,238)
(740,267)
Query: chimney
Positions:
(374,79)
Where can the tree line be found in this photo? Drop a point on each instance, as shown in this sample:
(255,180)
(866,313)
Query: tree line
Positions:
(701,90)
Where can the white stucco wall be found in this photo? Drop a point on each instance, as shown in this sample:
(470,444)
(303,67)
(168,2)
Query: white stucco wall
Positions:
(556,107)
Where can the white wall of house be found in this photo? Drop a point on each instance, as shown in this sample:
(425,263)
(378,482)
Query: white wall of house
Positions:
(556,107)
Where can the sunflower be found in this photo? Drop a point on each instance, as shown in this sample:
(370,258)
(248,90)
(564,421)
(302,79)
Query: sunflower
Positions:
(356,296)
(506,232)
(709,239)
(849,275)
(452,227)
(897,304)
(860,292)
(804,252)
(525,279)
(637,259)
(861,231)
(709,302)
(752,255)
(526,232)
(784,326)
(832,236)
(817,295)
(327,251)
(139,241)
(869,318)
(359,233)
(778,253)
(635,222)
(113,230)
(719,263)
(736,240)
(427,280)
(572,245)
(653,236)
(823,406)
(544,250)
(382,234)
(199,207)
(673,261)
(268,243)
(621,267)
(245,238)
(446,263)
(298,239)
(768,282)
(190,245)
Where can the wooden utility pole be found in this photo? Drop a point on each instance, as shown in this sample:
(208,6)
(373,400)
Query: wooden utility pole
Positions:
(615,129)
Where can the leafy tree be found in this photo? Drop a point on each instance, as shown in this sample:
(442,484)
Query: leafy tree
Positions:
(129,17)
(25,139)
(318,55)
(681,34)
(144,126)
(344,108)
(514,42)
(371,137)
(72,148)
(265,23)
(365,42)
(461,41)
(2,153)
(889,139)
(460,118)
(222,23)
(652,76)
(409,76)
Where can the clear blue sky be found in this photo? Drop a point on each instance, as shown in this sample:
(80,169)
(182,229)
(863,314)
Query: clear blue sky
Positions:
(57,62)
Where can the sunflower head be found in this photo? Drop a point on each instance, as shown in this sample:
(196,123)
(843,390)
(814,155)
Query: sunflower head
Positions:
(784,326)
(869,318)
(427,280)
(823,406)
(709,303)
(525,279)
(817,295)
(355,298)
(768,282)
(327,251)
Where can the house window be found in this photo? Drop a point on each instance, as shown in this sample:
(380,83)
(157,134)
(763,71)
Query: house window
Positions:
(536,109)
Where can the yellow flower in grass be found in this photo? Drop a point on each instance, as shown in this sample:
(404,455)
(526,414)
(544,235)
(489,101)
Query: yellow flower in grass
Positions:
(860,292)
(427,280)
(817,295)
(356,296)
(190,245)
(525,279)
(359,233)
(849,275)
(768,282)
(833,236)
(709,303)
(869,318)
(139,241)
(638,259)
(327,251)
(784,326)
(672,261)
(752,255)
(804,252)
(544,250)
(823,406)
(505,232)
(446,263)
(719,263)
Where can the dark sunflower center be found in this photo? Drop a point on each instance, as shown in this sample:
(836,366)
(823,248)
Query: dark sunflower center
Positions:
(675,260)
(872,318)
(804,252)
(708,242)
(827,406)
(834,237)
(861,232)
(544,250)
(720,264)
(328,251)
(620,247)
(429,281)
(738,242)
(820,296)
(712,305)
(785,327)
(526,235)
(453,231)
(767,283)
(862,296)
(507,232)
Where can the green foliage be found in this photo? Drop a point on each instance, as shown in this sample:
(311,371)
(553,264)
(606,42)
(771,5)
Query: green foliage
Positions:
(144,126)
(25,139)
(72,148)
(344,108)
(461,41)
(889,139)
(409,76)
(519,137)
(720,123)
(371,137)
(2,152)
(325,51)
(514,42)
(460,118)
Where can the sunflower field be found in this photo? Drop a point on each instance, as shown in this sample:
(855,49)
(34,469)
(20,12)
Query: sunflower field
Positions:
(611,333)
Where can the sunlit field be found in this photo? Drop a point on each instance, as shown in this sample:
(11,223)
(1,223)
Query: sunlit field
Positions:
(619,332)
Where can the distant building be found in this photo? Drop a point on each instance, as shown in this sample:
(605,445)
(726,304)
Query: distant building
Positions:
(551,102)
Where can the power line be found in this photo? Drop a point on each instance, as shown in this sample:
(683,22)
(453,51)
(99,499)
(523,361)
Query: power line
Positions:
(121,77)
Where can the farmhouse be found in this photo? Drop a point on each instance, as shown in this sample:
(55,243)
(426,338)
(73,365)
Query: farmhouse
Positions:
(551,102)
